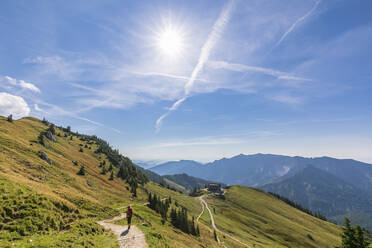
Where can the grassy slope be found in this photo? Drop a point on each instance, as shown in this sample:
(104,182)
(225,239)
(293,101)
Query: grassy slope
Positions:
(20,166)
(257,218)
(252,216)
(93,194)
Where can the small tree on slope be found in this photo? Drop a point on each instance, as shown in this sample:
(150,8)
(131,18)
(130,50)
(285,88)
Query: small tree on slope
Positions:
(81,172)
(353,237)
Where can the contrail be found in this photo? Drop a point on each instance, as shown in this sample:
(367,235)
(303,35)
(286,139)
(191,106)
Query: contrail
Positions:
(212,39)
(301,19)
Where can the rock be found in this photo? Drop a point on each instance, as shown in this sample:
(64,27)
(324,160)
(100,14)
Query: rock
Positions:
(50,136)
(44,156)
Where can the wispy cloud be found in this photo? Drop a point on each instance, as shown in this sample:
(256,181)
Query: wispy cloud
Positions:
(212,39)
(226,139)
(149,74)
(12,82)
(287,99)
(298,21)
(246,68)
(54,110)
(221,141)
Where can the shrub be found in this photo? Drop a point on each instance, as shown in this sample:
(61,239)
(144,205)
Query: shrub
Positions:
(10,118)
(81,172)
(44,121)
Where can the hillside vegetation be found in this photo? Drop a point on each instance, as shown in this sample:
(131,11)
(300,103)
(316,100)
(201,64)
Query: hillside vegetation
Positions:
(49,203)
(259,219)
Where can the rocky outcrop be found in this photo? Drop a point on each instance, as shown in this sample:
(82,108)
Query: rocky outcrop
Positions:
(44,157)
(50,136)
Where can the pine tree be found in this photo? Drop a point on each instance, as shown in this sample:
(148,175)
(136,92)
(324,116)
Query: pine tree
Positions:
(193,230)
(10,118)
(359,238)
(41,139)
(215,235)
(44,121)
(111,176)
(52,129)
(197,231)
(81,172)
(173,216)
(103,171)
(348,239)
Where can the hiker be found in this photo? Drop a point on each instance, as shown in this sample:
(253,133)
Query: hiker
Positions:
(129,216)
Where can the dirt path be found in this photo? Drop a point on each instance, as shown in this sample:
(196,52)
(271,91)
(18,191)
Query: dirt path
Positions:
(202,212)
(214,225)
(133,238)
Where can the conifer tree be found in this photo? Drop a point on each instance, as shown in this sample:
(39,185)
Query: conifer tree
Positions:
(348,240)
(81,172)
(215,235)
(52,129)
(44,121)
(103,171)
(111,176)
(359,238)
(193,230)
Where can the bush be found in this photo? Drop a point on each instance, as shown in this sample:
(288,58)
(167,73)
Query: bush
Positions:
(81,172)
(44,121)
(10,118)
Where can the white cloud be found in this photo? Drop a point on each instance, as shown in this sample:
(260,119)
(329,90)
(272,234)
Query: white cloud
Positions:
(29,86)
(10,80)
(20,83)
(246,68)
(37,108)
(15,105)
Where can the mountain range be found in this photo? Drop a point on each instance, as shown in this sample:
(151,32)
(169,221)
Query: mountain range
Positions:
(260,169)
(334,187)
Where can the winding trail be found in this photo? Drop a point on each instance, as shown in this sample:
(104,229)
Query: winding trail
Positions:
(133,238)
(204,203)
(202,212)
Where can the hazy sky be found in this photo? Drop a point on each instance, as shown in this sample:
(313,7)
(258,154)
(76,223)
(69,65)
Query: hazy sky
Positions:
(195,79)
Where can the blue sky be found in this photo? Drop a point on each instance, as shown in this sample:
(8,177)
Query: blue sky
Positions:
(283,77)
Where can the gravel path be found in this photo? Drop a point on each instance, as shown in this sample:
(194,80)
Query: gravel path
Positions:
(133,238)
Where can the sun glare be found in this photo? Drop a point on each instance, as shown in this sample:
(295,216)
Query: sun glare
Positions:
(170,42)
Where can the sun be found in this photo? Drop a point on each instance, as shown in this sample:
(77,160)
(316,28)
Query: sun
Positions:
(170,42)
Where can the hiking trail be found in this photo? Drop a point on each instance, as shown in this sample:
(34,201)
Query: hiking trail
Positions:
(204,203)
(133,238)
